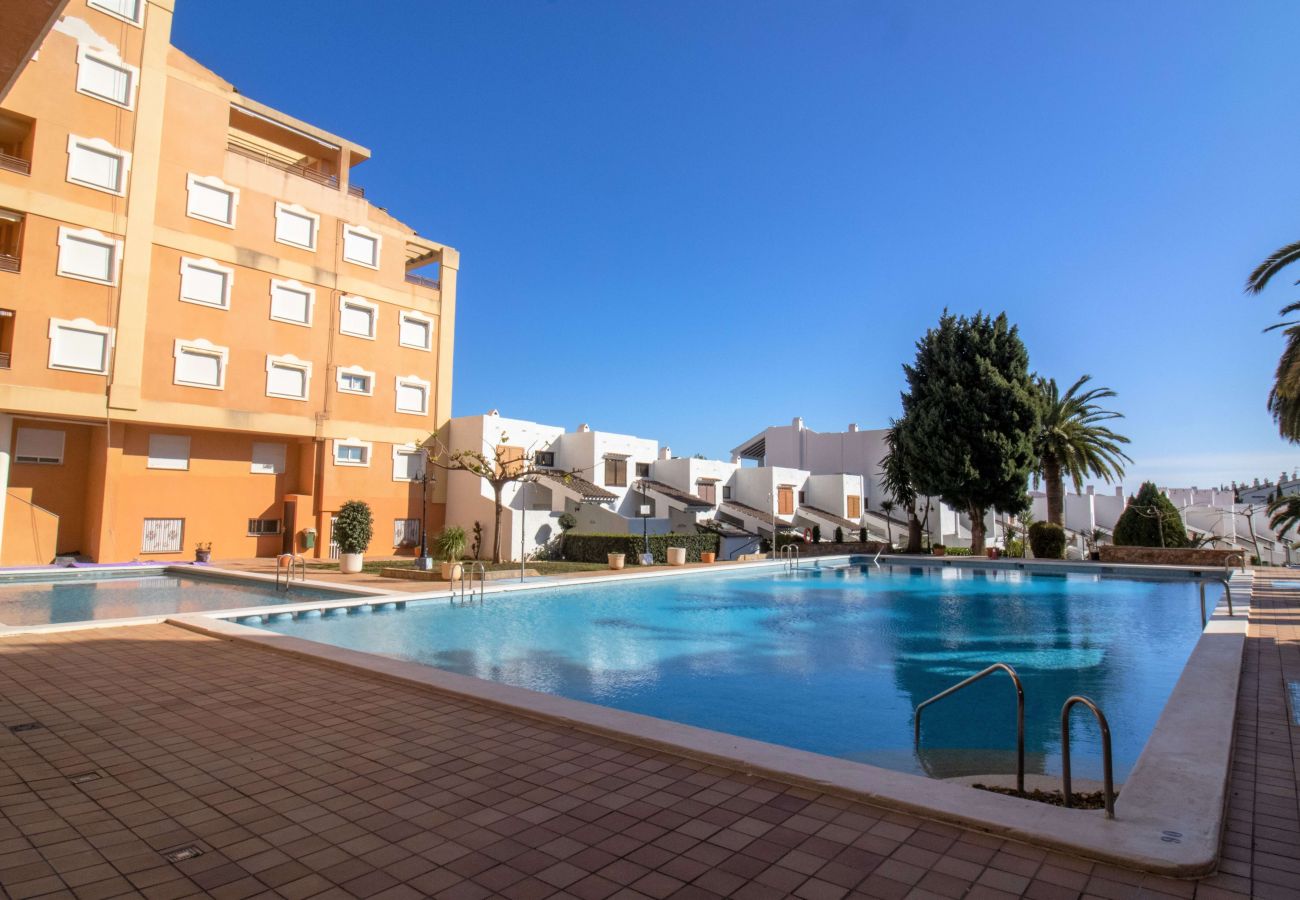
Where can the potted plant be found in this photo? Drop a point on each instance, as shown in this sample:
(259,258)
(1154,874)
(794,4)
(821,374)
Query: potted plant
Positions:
(993,552)
(616,560)
(450,547)
(708,556)
(203,552)
(353,531)
(938,550)
(676,556)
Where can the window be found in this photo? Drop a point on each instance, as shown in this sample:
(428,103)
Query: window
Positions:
(295,225)
(287,377)
(169,451)
(79,345)
(263,526)
(854,504)
(615,472)
(88,255)
(200,364)
(416,331)
(785,500)
(356,380)
(106,78)
(361,246)
(406,532)
(162,536)
(206,283)
(39,445)
(127,10)
(292,302)
(268,459)
(726,492)
(358,317)
(412,395)
(351,452)
(643,470)
(801,497)
(408,463)
(211,200)
(544,459)
(95,163)
(707,491)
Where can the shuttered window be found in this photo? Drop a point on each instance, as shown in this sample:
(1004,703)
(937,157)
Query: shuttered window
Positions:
(39,445)
(291,302)
(169,451)
(205,282)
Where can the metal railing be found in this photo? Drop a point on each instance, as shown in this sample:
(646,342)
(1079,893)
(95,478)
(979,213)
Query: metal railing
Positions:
(433,283)
(1226,589)
(1108,774)
(4,361)
(357,190)
(789,556)
(9,263)
(15,164)
(288,563)
(1020,714)
(467,573)
(1227,561)
(293,168)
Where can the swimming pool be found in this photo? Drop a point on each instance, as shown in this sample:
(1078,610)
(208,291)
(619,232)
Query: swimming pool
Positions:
(831,659)
(88,595)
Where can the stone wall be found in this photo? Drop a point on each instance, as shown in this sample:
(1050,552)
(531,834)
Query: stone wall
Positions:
(1157,556)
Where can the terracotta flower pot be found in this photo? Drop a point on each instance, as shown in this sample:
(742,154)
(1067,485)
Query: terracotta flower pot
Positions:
(994,552)
(708,557)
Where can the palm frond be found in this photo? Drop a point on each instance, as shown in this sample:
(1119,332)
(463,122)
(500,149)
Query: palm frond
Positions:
(1278,260)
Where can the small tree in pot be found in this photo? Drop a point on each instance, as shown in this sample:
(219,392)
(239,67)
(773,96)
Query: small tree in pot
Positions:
(450,547)
(352,531)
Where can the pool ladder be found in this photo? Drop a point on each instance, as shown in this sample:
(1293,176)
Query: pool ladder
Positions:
(288,563)
(1106,762)
(1227,589)
(467,573)
(789,556)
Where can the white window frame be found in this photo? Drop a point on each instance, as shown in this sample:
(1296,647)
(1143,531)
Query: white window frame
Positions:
(216,184)
(362,231)
(90,236)
(201,346)
(31,459)
(413,316)
(355,370)
(352,300)
(99,145)
(289,361)
(404,450)
(108,59)
(277,466)
(209,265)
(162,466)
(291,284)
(411,381)
(138,21)
(294,209)
(365,446)
(79,325)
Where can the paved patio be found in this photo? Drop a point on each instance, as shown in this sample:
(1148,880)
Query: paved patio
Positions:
(295,779)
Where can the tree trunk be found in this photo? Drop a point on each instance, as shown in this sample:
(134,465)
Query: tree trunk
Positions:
(913,532)
(1054,485)
(496,526)
(976,530)
(889,532)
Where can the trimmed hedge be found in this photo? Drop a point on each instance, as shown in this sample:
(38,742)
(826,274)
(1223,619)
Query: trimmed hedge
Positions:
(1047,540)
(595,548)
(956,551)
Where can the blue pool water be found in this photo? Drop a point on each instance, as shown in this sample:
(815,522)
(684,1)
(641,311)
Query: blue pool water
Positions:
(112,596)
(832,661)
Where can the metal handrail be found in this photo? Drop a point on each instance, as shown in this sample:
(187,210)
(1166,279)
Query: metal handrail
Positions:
(286,562)
(1226,589)
(467,573)
(1227,561)
(790,555)
(423,281)
(1108,774)
(1020,714)
(298,169)
(10,263)
(11,163)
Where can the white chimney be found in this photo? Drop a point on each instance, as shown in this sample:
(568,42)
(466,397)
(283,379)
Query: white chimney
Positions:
(797,422)
(1090,490)
(584,428)
(665,452)
(735,459)
(493,412)
(853,428)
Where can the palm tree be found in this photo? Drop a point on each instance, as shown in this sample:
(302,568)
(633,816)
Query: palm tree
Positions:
(888,507)
(1284,396)
(897,482)
(1071,441)
(1285,512)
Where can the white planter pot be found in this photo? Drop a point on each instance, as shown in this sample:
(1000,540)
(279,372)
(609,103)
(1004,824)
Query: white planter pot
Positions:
(451,571)
(350,563)
(676,556)
(616,560)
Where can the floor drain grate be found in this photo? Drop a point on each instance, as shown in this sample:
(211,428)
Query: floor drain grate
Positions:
(1293,695)
(180,854)
(26,726)
(84,777)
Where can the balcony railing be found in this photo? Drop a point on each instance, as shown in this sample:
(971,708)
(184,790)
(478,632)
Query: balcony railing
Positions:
(432,283)
(357,191)
(4,360)
(292,168)
(9,263)
(15,164)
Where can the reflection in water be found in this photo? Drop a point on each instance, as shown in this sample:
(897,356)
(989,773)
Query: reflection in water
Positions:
(829,661)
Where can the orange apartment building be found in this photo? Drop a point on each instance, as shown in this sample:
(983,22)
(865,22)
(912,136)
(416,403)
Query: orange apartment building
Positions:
(207,333)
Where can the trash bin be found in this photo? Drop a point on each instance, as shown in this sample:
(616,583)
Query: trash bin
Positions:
(308,538)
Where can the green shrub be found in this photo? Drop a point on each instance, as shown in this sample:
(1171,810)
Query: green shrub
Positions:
(817,534)
(1143,518)
(355,527)
(450,545)
(956,551)
(595,548)
(862,535)
(1047,540)
(567,520)
(1015,547)
(786,538)
(839,535)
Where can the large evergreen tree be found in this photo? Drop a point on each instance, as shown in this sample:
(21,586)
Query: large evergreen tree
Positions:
(1150,520)
(969,417)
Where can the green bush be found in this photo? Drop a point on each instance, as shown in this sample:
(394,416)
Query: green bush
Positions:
(817,534)
(1047,540)
(450,545)
(1143,518)
(567,521)
(862,535)
(1015,547)
(839,535)
(595,548)
(355,527)
(956,551)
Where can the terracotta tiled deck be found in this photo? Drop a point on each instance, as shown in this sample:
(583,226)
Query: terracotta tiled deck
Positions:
(300,780)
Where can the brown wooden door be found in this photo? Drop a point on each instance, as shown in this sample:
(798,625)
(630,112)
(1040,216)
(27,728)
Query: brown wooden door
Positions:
(855,507)
(785,500)
(290,526)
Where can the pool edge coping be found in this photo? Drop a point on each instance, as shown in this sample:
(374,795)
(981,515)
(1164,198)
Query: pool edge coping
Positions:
(1191,746)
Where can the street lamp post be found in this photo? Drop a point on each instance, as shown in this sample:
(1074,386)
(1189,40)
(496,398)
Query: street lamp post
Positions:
(646,558)
(424,562)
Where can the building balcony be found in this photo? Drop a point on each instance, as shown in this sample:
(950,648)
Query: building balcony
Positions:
(9,263)
(422,281)
(15,164)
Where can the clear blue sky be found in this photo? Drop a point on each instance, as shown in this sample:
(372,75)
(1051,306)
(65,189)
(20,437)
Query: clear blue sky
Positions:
(690,220)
